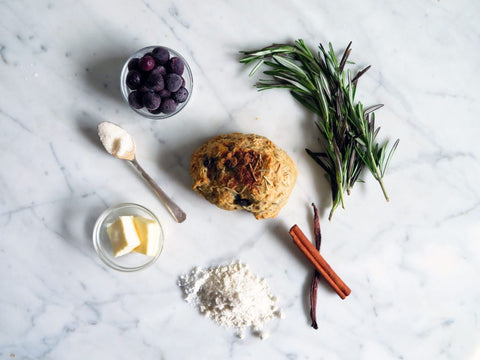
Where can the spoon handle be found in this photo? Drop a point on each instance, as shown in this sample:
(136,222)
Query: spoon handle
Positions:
(173,208)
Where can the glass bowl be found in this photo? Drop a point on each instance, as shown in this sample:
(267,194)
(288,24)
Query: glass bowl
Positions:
(187,76)
(132,261)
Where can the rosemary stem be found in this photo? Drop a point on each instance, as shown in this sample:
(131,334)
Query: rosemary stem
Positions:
(331,214)
(379,178)
(383,188)
(340,188)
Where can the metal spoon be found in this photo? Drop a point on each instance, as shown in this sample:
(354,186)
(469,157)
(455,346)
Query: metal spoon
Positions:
(120,144)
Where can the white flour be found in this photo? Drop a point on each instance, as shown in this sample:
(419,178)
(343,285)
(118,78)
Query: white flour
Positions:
(115,139)
(232,296)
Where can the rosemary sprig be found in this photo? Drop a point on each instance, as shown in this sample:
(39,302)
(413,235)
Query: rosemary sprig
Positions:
(322,84)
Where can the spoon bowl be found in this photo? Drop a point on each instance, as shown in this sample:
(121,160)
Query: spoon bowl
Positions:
(119,143)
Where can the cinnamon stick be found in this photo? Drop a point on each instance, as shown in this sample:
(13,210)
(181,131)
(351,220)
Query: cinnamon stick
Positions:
(319,262)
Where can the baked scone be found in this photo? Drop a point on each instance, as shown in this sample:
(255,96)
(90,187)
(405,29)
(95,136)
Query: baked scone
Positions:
(239,171)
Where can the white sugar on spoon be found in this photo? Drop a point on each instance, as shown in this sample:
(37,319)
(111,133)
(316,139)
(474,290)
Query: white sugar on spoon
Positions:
(120,144)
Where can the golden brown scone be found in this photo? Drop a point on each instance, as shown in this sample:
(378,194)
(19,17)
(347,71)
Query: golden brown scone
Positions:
(238,171)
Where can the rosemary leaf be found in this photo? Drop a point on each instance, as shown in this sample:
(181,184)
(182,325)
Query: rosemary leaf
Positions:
(256,67)
(307,102)
(372,108)
(390,154)
(296,84)
(290,65)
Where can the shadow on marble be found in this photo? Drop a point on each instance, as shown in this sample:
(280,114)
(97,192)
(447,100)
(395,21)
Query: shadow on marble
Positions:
(322,197)
(87,125)
(90,221)
(103,75)
(175,160)
(75,218)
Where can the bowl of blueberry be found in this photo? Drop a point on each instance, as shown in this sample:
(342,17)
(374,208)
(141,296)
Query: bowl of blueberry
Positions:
(156,82)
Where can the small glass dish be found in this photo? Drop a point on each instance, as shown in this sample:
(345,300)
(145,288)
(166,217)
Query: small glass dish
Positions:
(132,261)
(187,76)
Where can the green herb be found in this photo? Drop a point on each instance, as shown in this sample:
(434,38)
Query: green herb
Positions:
(322,84)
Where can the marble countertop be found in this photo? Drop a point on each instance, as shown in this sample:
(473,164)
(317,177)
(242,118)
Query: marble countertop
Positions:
(412,263)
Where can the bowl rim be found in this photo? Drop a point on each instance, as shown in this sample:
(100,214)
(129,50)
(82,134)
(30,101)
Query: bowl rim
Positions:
(126,91)
(98,227)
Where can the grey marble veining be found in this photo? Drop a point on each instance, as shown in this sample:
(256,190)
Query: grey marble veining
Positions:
(412,264)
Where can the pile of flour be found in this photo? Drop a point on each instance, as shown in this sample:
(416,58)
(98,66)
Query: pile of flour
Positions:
(232,296)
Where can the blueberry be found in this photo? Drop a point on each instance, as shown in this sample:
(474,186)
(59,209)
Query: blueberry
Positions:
(164,93)
(135,99)
(175,65)
(160,70)
(180,95)
(155,111)
(183,82)
(242,202)
(161,55)
(144,89)
(151,100)
(173,82)
(146,63)
(155,82)
(133,79)
(168,106)
(133,64)
(209,163)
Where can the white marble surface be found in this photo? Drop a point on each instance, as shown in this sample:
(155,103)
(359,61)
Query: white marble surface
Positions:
(412,264)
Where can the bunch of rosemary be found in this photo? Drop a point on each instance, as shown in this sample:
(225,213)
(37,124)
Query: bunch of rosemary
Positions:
(321,84)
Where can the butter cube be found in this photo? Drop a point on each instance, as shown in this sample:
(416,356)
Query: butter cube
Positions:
(123,235)
(148,232)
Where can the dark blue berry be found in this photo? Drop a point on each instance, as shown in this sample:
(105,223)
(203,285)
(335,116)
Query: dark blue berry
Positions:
(146,63)
(151,100)
(161,55)
(155,82)
(144,89)
(175,65)
(173,82)
(160,70)
(133,79)
(180,95)
(133,64)
(164,93)
(155,111)
(168,106)
(242,202)
(135,99)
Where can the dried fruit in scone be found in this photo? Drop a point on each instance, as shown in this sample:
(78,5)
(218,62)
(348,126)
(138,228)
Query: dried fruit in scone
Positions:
(243,171)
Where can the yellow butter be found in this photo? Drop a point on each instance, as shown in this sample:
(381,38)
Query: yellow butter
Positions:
(148,232)
(123,235)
